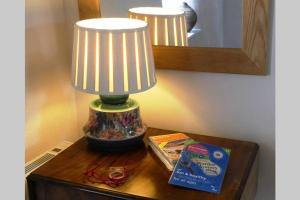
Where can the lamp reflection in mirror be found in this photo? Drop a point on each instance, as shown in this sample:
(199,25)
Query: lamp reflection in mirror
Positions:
(167,26)
(112,57)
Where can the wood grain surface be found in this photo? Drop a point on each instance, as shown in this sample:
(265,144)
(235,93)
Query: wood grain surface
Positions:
(89,9)
(220,60)
(63,177)
(256,31)
(251,59)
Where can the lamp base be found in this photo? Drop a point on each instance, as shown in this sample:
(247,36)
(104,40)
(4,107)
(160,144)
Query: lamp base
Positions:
(115,145)
(114,99)
(114,127)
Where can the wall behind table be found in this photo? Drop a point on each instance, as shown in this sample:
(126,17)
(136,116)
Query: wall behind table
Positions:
(50,101)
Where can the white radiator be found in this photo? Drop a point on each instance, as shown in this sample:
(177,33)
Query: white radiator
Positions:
(42,159)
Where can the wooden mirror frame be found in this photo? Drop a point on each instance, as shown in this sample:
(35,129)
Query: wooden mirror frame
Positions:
(250,59)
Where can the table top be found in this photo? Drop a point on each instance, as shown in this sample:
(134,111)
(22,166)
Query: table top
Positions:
(150,177)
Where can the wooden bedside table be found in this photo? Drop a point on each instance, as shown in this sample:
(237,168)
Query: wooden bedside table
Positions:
(62,178)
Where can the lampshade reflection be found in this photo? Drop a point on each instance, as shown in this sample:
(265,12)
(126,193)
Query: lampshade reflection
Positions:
(167,26)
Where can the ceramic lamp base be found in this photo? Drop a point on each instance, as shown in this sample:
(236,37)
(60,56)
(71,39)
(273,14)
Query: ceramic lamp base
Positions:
(115,127)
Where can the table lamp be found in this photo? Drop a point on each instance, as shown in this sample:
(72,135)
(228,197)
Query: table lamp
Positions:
(112,57)
(167,26)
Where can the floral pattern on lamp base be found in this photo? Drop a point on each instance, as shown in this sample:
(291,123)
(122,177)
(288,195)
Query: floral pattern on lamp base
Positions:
(114,125)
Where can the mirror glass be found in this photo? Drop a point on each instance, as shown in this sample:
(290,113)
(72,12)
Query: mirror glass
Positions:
(209,23)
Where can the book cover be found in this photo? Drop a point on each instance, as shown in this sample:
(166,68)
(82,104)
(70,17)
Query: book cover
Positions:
(169,146)
(201,167)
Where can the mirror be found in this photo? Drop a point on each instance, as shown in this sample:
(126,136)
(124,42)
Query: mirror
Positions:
(233,36)
(209,23)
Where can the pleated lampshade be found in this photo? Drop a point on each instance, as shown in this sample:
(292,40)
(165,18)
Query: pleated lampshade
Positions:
(112,56)
(167,26)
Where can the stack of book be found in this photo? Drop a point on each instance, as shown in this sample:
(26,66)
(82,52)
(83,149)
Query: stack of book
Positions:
(168,147)
(194,164)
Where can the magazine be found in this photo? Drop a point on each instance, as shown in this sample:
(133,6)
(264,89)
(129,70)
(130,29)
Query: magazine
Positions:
(201,167)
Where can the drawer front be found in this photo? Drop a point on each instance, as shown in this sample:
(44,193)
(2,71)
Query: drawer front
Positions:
(44,190)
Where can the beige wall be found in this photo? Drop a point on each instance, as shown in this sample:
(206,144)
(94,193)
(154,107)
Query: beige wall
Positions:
(50,108)
(225,105)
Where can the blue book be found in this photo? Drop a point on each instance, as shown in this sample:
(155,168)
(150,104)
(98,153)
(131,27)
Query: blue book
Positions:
(201,167)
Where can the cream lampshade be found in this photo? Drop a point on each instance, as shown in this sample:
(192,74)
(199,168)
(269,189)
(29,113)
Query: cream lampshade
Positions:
(167,26)
(113,57)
